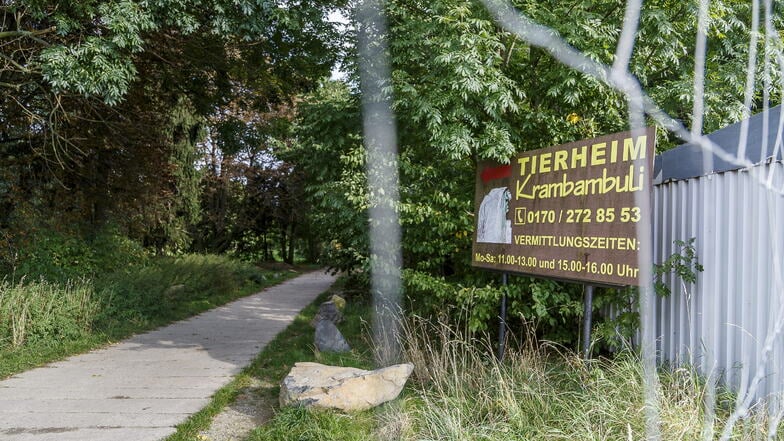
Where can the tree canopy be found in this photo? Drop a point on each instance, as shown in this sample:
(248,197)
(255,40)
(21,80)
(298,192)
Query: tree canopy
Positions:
(105,104)
(210,125)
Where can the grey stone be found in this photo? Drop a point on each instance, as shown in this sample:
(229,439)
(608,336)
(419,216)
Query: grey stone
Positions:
(329,339)
(328,311)
(347,389)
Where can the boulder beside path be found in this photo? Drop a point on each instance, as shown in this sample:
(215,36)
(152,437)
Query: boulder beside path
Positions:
(344,388)
(328,338)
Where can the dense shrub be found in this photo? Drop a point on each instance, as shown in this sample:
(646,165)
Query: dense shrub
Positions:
(62,255)
(555,308)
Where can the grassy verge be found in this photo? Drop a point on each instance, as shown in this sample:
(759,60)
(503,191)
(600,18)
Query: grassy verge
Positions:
(293,345)
(43,321)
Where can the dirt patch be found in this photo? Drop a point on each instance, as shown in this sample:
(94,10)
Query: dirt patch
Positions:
(252,408)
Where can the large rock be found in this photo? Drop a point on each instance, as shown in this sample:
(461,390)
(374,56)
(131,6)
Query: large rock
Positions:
(329,339)
(328,311)
(348,389)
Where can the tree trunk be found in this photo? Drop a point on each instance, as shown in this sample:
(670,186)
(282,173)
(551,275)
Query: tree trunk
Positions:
(290,256)
(265,247)
(313,249)
(283,243)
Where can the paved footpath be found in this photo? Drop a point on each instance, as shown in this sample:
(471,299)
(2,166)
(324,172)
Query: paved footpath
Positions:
(141,388)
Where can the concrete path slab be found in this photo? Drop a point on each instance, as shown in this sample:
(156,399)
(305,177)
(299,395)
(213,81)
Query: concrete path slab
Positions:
(141,388)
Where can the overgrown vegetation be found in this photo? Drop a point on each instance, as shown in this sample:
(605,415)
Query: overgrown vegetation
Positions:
(59,255)
(459,391)
(41,320)
(133,129)
(209,127)
(542,391)
(157,118)
(42,311)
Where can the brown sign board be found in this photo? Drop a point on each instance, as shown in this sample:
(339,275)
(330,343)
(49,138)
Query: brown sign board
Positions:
(566,212)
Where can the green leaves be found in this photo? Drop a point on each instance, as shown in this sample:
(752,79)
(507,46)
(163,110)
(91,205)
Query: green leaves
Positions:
(464,90)
(100,64)
(682,265)
(94,67)
(617,329)
(126,21)
(449,76)
(434,295)
(104,102)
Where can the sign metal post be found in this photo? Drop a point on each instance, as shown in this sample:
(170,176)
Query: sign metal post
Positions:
(587,309)
(502,320)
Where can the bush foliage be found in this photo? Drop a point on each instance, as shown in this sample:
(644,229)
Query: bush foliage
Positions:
(57,255)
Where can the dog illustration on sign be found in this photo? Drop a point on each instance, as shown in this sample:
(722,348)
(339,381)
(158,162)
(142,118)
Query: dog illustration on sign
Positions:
(493,225)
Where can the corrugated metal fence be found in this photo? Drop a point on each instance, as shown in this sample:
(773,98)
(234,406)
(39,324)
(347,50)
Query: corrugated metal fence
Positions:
(730,321)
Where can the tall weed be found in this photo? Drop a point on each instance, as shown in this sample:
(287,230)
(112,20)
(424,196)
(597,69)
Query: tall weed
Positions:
(39,311)
(540,392)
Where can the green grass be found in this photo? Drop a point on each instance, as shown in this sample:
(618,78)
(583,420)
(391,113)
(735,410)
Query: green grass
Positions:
(293,423)
(296,423)
(42,321)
